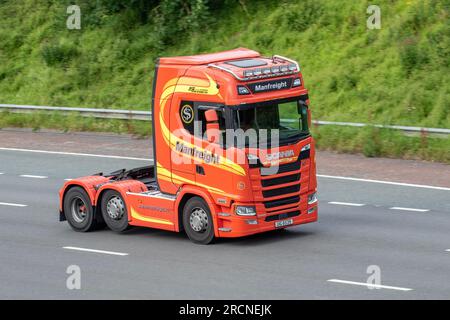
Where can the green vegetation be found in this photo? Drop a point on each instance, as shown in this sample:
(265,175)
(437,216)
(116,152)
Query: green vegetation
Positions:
(396,75)
(375,142)
(73,122)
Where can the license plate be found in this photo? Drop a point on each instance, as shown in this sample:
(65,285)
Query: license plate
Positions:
(283,223)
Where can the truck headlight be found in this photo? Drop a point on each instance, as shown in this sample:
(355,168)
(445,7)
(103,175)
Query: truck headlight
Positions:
(307,147)
(242,90)
(245,210)
(312,198)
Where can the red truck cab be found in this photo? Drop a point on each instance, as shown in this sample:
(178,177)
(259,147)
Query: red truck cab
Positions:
(233,154)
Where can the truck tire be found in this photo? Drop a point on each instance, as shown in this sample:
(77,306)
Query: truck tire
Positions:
(79,211)
(114,211)
(197,221)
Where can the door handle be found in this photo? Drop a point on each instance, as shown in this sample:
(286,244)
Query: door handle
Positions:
(199,169)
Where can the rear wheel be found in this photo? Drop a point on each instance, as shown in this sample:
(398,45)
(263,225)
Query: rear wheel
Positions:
(79,211)
(114,211)
(197,221)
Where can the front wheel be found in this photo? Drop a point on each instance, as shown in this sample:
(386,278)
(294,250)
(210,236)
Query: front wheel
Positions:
(114,211)
(197,221)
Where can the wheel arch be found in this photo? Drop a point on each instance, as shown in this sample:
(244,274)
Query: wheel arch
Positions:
(88,184)
(189,192)
(122,187)
(66,189)
(101,192)
(62,215)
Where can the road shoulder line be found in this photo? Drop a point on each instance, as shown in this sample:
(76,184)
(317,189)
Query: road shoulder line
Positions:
(384,182)
(76,154)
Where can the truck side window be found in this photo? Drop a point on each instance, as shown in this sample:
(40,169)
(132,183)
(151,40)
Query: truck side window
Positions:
(201,122)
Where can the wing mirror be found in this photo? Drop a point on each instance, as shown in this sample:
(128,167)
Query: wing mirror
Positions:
(305,114)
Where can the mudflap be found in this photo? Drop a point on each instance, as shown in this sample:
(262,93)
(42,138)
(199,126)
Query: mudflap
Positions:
(62,216)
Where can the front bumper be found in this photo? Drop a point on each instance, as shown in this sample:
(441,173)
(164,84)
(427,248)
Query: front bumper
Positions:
(233,226)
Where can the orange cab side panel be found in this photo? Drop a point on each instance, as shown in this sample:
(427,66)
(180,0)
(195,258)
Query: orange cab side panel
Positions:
(166,78)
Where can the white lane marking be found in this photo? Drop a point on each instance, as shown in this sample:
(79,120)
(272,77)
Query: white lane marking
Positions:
(32,176)
(409,209)
(448,250)
(12,204)
(68,179)
(96,251)
(347,204)
(76,154)
(369,285)
(1,173)
(385,182)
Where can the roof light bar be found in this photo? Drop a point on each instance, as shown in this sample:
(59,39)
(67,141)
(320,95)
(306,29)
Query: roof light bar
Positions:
(259,73)
(227,70)
(288,60)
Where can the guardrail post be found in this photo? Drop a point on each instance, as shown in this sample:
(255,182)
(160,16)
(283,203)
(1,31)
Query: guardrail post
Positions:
(423,137)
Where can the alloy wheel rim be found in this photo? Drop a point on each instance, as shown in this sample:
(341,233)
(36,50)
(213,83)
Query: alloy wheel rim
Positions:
(198,220)
(78,209)
(115,208)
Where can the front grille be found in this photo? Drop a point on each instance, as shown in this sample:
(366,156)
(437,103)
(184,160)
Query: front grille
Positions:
(282,202)
(281,191)
(282,216)
(280,180)
(289,197)
(282,168)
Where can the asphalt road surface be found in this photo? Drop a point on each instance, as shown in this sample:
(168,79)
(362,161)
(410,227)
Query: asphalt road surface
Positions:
(403,231)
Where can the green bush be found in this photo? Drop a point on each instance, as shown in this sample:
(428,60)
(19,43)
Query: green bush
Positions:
(372,142)
(176,19)
(55,54)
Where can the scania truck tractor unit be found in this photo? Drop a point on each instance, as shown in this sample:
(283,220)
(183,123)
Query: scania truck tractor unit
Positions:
(210,177)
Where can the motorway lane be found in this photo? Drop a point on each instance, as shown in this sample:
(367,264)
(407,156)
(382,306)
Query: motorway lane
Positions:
(409,247)
(384,195)
(60,166)
(69,166)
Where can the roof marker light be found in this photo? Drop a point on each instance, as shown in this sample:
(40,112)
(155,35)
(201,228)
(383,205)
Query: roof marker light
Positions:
(276,69)
(284,68)
(248,73)
(257,72)
(292,67)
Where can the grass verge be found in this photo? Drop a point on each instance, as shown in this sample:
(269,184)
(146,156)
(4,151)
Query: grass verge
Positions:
(73,122)
(378,142)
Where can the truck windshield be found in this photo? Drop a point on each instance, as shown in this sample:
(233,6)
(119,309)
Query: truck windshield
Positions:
(286,121)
